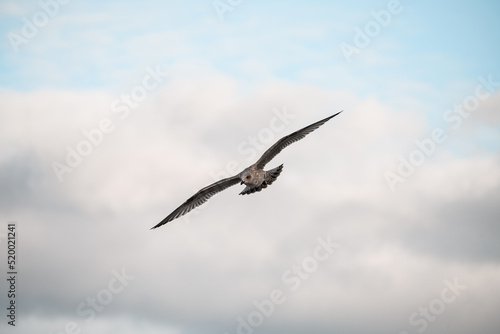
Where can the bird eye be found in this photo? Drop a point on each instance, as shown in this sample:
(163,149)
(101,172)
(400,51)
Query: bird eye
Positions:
(248,177)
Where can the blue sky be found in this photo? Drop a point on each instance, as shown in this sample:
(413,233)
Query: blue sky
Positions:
(410,210)
(89,43)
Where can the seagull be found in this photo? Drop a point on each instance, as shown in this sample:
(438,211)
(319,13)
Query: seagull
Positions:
(254,177)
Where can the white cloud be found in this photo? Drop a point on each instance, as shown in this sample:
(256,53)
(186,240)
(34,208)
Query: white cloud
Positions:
(236,249)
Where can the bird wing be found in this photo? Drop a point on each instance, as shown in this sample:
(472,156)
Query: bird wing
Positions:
(287,140)
(199,198)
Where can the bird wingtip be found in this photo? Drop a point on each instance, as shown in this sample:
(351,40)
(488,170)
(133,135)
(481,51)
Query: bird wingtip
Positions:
(329,118)
(157,225)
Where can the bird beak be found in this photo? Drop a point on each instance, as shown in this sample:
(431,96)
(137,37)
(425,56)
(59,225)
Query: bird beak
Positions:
(241,182)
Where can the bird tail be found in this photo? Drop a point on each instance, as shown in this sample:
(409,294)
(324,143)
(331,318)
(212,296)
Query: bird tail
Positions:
(271,175)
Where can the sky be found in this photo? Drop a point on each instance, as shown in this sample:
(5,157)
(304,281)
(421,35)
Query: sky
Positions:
(384,220)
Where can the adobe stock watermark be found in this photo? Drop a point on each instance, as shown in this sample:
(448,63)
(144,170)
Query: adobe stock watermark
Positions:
(251,148)
(223,6)
(426,147)
(371,29)
(292,278)
(31,26)
(122,107)
(97,303)
(421,318)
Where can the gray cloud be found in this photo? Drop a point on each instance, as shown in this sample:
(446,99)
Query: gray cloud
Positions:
(202,273)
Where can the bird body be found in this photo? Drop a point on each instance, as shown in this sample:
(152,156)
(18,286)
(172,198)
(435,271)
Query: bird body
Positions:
(254,177)
(257,179)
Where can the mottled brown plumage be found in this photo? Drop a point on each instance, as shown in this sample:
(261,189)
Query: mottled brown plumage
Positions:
(254,177)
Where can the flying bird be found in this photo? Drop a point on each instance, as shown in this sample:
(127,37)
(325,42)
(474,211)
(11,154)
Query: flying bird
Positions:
(254,177)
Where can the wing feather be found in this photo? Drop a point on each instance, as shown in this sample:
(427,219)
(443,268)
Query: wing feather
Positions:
(287,140)
(199,198)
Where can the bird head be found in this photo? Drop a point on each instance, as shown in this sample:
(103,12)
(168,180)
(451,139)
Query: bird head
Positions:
(246,176)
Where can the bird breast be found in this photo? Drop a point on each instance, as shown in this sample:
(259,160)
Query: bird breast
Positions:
(256,177)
